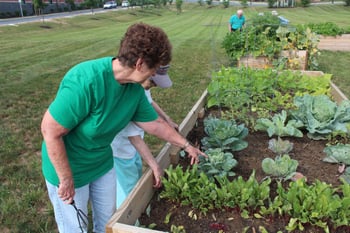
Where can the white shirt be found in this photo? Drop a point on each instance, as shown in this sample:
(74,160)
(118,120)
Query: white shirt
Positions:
(121,145)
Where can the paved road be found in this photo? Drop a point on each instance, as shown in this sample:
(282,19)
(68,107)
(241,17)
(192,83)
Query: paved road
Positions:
(29,19)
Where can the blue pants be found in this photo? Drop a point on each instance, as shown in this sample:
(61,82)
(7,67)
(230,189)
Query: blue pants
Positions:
(100,192)
(128,171)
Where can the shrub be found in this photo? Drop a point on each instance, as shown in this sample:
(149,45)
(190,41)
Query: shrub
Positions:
(305,3)
(327,28)
(226,3)
(179,6)
(271,3)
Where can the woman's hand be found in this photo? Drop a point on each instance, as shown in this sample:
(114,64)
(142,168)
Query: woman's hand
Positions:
(194,153)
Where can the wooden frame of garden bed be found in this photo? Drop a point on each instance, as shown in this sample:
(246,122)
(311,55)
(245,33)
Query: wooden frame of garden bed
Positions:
(262,62)
(132,208)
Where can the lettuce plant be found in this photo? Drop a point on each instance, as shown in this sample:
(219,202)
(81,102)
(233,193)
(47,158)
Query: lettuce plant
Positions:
(280,126)
(283,167)
(321,116)
(224,134)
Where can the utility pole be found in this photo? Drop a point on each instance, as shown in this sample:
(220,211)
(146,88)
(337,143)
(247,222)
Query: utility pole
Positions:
(20,7)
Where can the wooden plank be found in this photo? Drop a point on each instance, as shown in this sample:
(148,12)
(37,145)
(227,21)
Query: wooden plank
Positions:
(187,124)
(123,228)
(260,62)
(335,43)
(297,59)
(337,94)
(141,195)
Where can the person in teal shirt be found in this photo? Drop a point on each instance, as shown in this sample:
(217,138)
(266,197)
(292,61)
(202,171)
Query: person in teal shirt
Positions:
(236,21)
(96,100)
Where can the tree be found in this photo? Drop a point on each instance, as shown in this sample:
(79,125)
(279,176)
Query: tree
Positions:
(244,3)
(226,3)
(71,4)
(38,6)
(91,4)
(305,3)
(179,5)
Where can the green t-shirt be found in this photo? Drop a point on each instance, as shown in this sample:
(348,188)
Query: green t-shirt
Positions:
(94,107)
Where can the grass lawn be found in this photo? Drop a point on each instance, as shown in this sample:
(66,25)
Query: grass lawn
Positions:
(35,56)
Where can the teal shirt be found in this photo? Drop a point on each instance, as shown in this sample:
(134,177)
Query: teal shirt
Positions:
(237,23)
(94,107)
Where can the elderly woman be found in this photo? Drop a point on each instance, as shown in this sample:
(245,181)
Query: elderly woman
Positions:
(95,100)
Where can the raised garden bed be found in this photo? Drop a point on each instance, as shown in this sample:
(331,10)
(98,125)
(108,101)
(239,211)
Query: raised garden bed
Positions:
(297,60)
(141,196)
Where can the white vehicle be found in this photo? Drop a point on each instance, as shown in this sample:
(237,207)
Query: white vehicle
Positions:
(110,5)
(125,3)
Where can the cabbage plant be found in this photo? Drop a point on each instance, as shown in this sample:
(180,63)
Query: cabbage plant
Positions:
(280,146)
(218,163)
(321,116)
(282,167)
(339,153)
(280,125)
(224,134)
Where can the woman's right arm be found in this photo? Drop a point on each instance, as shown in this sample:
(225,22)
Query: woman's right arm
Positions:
(53,132)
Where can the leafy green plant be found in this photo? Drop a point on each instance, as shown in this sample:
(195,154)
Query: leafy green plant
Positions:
(224,134)
(218,163)
(341,217)
(177,229)
(248,194)
(321,116)
(178,183)
(318,204)
(282,167)
(339,153)
(266,37)
(326,28)
(346,175)
(305,3)
(312,204)
(248,94)
(189,187)
(280,146)
(225,3)
(280,126)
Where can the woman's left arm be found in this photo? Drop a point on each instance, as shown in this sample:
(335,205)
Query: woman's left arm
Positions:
(164,131)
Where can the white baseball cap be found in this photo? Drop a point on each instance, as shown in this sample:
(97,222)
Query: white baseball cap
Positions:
(161,78)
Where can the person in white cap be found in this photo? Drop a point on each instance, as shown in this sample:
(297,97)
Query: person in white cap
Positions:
(128,145)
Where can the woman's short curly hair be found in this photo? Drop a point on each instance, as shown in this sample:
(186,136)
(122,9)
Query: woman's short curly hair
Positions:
(147,42)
